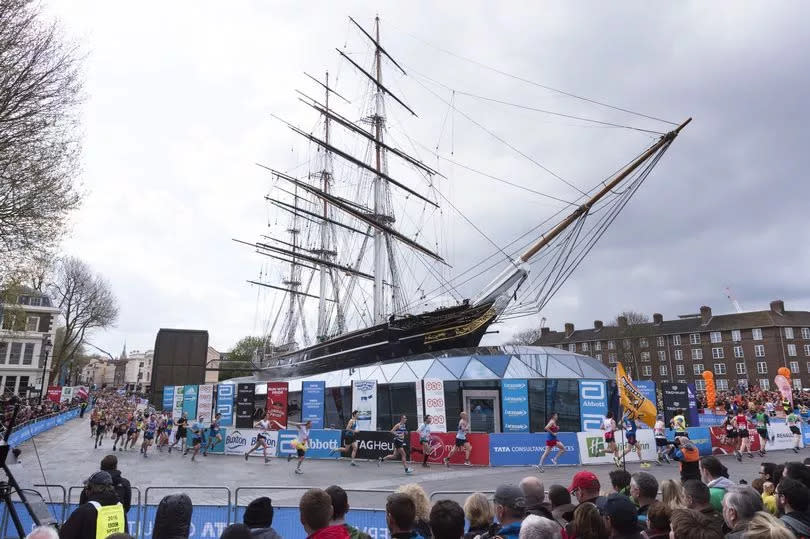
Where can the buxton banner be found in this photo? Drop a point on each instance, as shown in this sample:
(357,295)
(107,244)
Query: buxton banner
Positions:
(168,398)
(312,395)
(205,401)
(593,403)
(515,408)
(592,447)
(225,403)
(177,409)
(277,402)
(441,443)
(364,400)
(525,449)
(373,445)
(240,441)
(434,404)
(190,402)
(245,395)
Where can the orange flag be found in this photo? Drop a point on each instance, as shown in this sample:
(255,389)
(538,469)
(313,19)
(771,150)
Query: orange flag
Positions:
(633,400)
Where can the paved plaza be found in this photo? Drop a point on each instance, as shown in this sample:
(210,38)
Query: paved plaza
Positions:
(67,457)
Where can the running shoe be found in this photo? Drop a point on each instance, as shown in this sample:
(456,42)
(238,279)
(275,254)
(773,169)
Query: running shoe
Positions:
(289,457)
(353,463)
(468,463)
(379,462)
(738,455)
(408,471)
(246,457)
(170,450)
(750,456)
(447,462)
(266,460)
(795,450)
(645,464)
(299,471)
(539,468)
(669,461)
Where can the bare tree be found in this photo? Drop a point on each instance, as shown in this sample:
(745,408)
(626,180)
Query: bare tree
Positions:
(636,332)
(86,302)
(40,90)
(526,337)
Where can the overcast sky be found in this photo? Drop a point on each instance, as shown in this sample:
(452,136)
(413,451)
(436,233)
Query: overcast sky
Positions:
(179,97)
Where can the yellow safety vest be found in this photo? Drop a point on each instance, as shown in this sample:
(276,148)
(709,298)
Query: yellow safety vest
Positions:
(109,520)
(680,423)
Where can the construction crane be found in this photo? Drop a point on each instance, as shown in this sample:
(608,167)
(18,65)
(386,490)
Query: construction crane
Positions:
(733,300)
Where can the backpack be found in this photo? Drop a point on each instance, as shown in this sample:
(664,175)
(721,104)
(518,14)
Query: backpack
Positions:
(799,528)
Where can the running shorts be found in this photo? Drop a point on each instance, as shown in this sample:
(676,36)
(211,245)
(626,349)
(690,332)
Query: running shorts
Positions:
(398,444)
(181,432)
(661,442)
(682,433)
(763,433)
(460,442)
(631,439)
(742,433)
(348,437)
(551,442)
(609,437)
(148,435)
(196,440)
(731,433)
(795,430)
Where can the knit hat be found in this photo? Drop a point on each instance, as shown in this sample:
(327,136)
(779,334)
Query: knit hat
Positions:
(99,478)
(259,513)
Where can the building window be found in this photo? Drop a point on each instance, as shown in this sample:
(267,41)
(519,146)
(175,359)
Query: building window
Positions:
(715,337)
(32,323)
(679,370)
(794,367)
(756,334)
(643,342)
(697,353)
(585,347)
(11,384)
(572,347)
(611,345)
(717,353)
(759,350)
(626,343)
(676,340)
(738,351)
(736,335)
(697,369)
(28,354)
(597,346)
(788,333)
(613,369)
(700,385)
(646,370)
(678,355)
(23,383)
(660,342)
(719,368)
(764,384)
(645,356)
(662,356)
(16,353)
(808,366)
(805,333)
(762,367)
(694,338)
(722,385)
(797,383)
(612,358)
(791,350)
(742,383)
(741,368)
(807,349)
(3,352)
(598,357)
(663,370)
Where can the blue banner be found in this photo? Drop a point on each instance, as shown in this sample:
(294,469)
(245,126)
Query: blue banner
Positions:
(168,398)
(693,409)
(524,449)
(593,404)
(712,420)
(312,403)
(225,403)
(26,432)
(321,442)
(190,402)
(699,436)
(806,435)
(647,388)
(515,405)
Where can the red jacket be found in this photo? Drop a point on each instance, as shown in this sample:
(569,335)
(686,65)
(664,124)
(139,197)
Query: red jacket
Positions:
(330,532)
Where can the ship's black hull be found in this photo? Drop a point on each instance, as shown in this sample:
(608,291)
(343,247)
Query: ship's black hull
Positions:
(443,329)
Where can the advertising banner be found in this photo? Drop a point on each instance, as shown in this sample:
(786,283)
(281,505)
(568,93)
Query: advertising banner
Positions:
(806,434)
(525,449)
(82,392)
(205,401)
(364,400)
(593,404)
(321,442)
(277,402)
(700,436)
(373,445)
(54,394)
(632,400)
(67,393)
(245,395)
(693,418)
(647,388)
(782,437)
(168,398)
(723,446)
(515,405)
(190,402)
(676,397)
(219,448)
(225,403)
(420,403)
(434,404)
(312,403)
(441,443)
(592,447)
(177,409)
(240,441)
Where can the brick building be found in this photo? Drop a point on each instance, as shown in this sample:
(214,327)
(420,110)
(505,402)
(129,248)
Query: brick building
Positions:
(741,349)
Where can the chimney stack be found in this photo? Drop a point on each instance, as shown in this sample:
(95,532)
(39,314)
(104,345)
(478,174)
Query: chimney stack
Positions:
(622,320)
(778,306)
(544,331)
(705,315)
(597,325)
(569,329)
(658,319)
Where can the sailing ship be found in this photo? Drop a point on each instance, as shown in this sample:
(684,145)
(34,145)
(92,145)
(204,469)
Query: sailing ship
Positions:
(312,202)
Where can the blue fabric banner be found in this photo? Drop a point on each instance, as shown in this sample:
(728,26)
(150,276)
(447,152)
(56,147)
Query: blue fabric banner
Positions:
(647,388)
(515,406)
(593,403)
(694,419)
(700,436)
(225,403)
(168,398)
(312,403)
(190,402)
(321,442)
(524,449)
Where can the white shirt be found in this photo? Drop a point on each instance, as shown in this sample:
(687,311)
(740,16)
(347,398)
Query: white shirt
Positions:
(303,434)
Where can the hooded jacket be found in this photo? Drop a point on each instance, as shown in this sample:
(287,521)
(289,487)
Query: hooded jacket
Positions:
(717,489)
(173,517)
(264,533)
(122,488)
(81,523)
(798,523)
(331,532)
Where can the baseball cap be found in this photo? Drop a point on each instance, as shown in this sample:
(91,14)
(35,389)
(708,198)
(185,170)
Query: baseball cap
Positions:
(622,512)
(586,480)
(99,478)
(509,496)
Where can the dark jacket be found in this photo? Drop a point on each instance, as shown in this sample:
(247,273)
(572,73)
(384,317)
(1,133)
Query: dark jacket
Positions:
(81,524)
(264,533)
(563,514)
(714,519)
(472,533)
(422,528)
(122,488)
(798,523)
(541,510)
(173,517)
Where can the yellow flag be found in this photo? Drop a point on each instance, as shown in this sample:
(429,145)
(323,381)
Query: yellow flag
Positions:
(633,400)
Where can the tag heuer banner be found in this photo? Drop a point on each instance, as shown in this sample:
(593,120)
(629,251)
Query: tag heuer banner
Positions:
(632,399)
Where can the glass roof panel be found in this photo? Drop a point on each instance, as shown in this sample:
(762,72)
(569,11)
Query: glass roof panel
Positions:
(563,366)
(496,364)
(518,369)
(405,374)
(439,371)
(456,364)
(420,366)
(390,370)
(476,371)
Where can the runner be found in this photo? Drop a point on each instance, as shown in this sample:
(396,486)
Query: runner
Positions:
(120,432)
(149,429)
(214,437)
(678,424)
(792,422)
(93,420)
(101,429)
(609,426)
(168,423)
(132,433)
(730,427)
(399,430)
(551,442)
(742,431)
(198,433)
(770,408)
(301,442)
(786,407)
(461,441)
(349,439)
(662,445)
(762,420)
(261,439)
(424,440)
(182,423)
(629,426)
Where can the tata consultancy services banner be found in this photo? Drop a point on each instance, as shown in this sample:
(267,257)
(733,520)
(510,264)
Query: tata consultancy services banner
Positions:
(177,409)
(225,403)
(190,402)
(515,405)
(312,403)
(593,404)
(512,449)
(168,398)
(364,400)
(277,402)
(205,401)
(434,404)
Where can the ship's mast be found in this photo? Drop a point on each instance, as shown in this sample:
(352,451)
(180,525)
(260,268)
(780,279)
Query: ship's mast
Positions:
(379,189)
(325,177)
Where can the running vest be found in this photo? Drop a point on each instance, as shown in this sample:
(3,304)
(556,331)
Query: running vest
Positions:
(461,433)
(400,432)
(680,423)
(109,519)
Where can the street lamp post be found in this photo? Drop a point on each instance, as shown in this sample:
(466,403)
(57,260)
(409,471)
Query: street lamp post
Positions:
(47,345)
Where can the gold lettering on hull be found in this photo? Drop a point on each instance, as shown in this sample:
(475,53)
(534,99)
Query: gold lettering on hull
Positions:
(459,331)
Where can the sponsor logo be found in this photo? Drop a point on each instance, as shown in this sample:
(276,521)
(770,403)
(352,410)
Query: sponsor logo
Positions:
(515,413)
(514,399)
(596,446)
(593,403)
(372,445)
(365,385)
(235,440)
(592,390)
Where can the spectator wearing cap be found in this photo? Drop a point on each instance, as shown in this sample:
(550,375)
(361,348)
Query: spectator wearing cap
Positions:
(446,520)
(121,485)
(534,495)
(620,481)
(715,475)
(340,506)
(259,518)
(621,517)
(793,498)
(740,504)
(315,508)
(697,498)
(102,506)
(643,490)
(585,488)
(400,514)
(562,510)
(510,508)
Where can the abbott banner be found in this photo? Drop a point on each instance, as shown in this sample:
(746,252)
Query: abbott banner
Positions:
(225,403)
(434,404)
(240,441)
(205,401)
(364,400)
(593,403)
(190,402)
(592,447)
(515,409)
